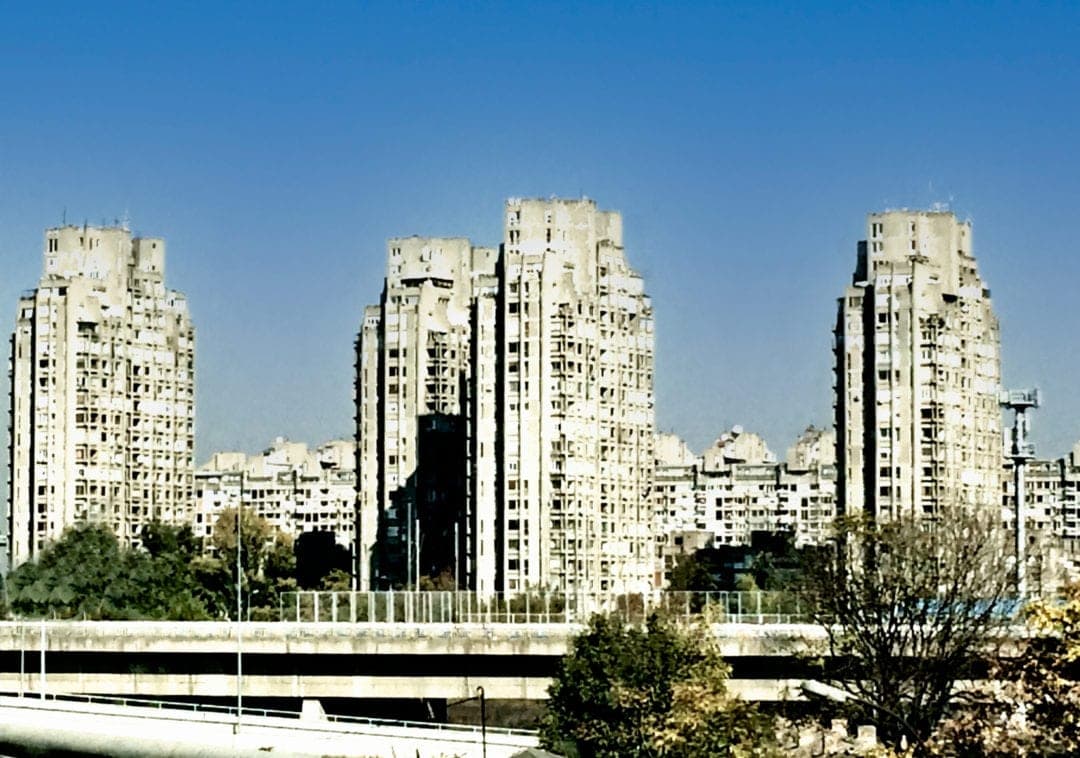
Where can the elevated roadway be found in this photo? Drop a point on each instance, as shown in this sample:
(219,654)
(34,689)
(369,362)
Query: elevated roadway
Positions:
(346,660)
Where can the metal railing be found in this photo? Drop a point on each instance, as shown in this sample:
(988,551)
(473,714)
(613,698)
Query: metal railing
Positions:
(448,607)
(161,707)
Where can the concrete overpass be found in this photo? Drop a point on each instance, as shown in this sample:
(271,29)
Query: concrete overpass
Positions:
(346,660)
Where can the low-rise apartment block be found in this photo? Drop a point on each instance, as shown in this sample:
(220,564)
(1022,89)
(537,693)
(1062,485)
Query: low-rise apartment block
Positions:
(295,489)
(737,487)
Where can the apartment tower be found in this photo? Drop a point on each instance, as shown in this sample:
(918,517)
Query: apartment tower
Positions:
(414,372)
(576,407)
(505,410)
(102,392)
(917,372)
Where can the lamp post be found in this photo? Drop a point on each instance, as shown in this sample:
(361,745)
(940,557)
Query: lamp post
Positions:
(483,716)
(239,611)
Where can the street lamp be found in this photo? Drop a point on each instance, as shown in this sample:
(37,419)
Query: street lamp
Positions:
(239,610)
(483,716)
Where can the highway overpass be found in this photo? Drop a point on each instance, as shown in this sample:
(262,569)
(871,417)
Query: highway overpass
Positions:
(346,660)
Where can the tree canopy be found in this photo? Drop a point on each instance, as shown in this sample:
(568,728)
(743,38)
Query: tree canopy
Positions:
(267,563)
(86,574)
(642,691)
(1030,703)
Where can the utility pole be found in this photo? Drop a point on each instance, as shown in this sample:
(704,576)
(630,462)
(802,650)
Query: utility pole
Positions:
(41,674)
(239,611)
(1020,451)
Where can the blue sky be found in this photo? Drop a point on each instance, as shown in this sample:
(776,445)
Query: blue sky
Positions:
(277,146)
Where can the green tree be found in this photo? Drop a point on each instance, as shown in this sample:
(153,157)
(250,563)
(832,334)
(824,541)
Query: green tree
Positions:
(318,554)
(336,581)
(693,572)
(159,577)
(909,608)
(640,691)
(86,574)
(267,563)
(78,576)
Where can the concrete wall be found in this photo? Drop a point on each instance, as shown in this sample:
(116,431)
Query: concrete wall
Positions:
(97,729)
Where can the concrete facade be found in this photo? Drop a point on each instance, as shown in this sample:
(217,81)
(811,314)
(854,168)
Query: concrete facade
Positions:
(577,409)
(917,372)
(505,410)
(102,392)
(414,390)
(737,487)
(295,489)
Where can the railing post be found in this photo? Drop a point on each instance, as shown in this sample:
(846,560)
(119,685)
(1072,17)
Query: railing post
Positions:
(352,607)
(333,607)
(297,596)
(315,617)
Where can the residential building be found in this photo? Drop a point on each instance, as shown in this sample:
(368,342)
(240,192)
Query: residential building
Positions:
(917,372)
(102,392)
(505,410)
(296,490)
(576,412)
(1052,519)
(413,392)
(737,489)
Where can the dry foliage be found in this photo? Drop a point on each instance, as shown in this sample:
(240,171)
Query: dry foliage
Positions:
(909,609)
(1030,705)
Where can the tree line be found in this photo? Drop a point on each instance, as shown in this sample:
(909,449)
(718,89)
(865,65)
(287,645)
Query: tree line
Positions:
(88,574)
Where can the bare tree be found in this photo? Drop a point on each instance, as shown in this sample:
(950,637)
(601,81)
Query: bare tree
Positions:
(910,607)
(1031,704)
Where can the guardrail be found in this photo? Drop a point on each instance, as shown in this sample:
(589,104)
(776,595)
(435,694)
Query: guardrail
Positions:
(448,607)
(230,711)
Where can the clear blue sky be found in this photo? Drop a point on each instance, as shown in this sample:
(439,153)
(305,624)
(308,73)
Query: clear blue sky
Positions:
(276,146)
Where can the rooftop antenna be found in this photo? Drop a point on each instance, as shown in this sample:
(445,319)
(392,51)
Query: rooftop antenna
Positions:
(63,217)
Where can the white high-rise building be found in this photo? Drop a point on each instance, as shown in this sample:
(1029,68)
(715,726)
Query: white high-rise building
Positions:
(102,392)
(917,372)
(414,375)
(576,412)
(505,410)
